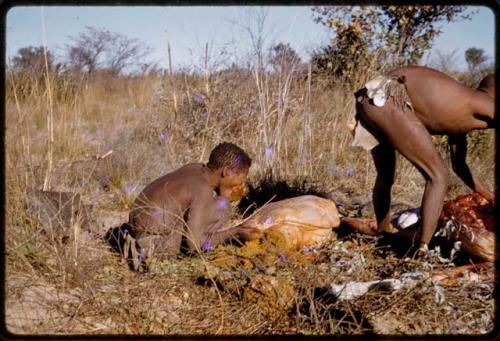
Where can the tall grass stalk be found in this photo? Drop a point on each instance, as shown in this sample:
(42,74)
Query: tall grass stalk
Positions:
(50,114)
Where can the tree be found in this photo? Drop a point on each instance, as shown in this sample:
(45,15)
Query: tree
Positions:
(412,29)
(85,54)
(254,23)
(348,53)
(445,61)
(283,57)
(99,49)
(394,35)
(475,58)
(32,59)
(123,52)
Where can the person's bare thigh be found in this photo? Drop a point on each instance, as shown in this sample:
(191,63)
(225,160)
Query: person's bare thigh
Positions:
(405,132)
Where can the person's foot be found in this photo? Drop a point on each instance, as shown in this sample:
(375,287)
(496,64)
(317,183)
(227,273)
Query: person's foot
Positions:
(422,252)
(388,229)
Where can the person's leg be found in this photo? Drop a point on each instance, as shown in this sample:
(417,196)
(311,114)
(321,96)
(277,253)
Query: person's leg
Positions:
(384,158)
(483,107)
(160,233)
(406,133)
(160,247)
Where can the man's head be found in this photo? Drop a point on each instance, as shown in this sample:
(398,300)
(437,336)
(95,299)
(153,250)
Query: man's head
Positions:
(232,162)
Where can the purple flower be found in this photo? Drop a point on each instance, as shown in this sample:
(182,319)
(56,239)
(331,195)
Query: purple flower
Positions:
(130,188)
(199,98)
(238,158)
(105,149)
(282,256)
(341,263)
(269,221)
(269,153)
(156,213)
(163,136)
(237,161)
(205,115)
(106,179)
(222,203)
(308,249)
(349,171)
(207,246)
(141,256)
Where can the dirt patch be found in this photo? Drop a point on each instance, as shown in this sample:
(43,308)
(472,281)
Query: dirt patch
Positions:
(35,306)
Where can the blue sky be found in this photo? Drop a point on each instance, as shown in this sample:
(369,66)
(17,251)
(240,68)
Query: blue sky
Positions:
(189,28)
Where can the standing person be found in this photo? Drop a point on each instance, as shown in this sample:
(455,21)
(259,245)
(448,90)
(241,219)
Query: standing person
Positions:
(430,103)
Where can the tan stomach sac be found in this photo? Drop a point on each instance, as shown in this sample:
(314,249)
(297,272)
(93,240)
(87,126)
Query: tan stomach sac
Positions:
(303,221)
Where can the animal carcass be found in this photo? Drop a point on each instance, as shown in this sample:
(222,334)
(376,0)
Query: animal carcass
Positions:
(470,219)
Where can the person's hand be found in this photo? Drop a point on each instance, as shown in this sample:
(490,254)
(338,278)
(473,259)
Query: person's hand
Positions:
(248,233)
(422,252)
(493,201)
(488,195)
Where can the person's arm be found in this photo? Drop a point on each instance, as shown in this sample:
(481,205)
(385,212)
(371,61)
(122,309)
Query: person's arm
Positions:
(203,214)
(238,233)
(207,219)
(458,154)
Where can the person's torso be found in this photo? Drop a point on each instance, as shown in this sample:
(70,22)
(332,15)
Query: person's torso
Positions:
(166,200)
(441,103)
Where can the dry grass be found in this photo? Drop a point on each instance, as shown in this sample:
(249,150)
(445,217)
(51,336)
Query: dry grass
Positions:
(294,125)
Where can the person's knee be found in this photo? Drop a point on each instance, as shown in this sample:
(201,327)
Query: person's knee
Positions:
(439,177)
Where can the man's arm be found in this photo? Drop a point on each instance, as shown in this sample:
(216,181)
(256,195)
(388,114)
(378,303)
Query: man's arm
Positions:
(458,154)
(237,233)
(206,216)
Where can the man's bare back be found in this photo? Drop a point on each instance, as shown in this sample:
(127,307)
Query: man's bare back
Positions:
(444,105)
(166,200)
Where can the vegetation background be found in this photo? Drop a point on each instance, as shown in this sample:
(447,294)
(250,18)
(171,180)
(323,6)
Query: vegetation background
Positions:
(103,123)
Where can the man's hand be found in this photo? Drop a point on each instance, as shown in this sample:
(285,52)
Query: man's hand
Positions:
(488,196)
(422,253)
(248,233)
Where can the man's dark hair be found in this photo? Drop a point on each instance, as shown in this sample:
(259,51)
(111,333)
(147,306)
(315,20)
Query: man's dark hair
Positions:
(230,155)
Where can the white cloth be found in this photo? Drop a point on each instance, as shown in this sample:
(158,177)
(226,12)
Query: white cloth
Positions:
(376,90)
